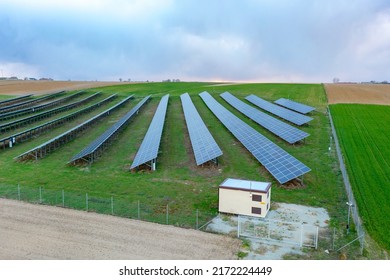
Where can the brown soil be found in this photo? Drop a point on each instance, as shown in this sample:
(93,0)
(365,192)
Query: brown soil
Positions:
(358,93)
(31,231)
(43,87)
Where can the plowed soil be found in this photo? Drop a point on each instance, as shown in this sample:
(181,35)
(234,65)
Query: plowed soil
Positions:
(41,87)
(358,93)
(29,231)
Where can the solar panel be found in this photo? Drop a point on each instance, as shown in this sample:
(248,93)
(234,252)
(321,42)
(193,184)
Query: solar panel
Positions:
(203,144)
(29,103)
(34,109)
(89,153)
(14,100)
(149,147)
(56,142)
(284,113)
(285,131)
(293,105)
(283,166)
(46,114)
(33,132)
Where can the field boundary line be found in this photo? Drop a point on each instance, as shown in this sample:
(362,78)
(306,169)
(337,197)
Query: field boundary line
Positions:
(351,199)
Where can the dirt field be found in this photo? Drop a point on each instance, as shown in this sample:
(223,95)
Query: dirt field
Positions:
(42,87)
(358,93)
(38,232)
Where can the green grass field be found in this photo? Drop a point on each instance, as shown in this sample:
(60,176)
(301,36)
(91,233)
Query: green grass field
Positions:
(177,181)
(363,132)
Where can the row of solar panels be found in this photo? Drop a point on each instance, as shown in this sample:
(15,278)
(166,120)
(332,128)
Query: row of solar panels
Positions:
(29,102)
(280,164)
(34,109)
(13,100)
(45,114)
(41,150)
(10,140)
(283,166)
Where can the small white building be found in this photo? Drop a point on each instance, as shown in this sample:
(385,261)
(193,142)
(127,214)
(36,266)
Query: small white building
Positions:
(243,197)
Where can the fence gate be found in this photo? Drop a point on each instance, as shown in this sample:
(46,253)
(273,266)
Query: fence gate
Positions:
(302,235)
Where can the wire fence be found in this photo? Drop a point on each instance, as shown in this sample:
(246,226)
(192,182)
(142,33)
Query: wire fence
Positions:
(351,203)
(169,214)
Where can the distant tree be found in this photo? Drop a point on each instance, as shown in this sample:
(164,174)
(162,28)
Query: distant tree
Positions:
(336,80)
(120,79)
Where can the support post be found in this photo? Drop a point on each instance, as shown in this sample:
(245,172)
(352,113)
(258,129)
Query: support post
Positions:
(112,205)
(40,194)
(139,214)
(63,198)
(238,226)
(197,219)
(167,218)
(317,239)
(86,202)
(269,229)
(18,191)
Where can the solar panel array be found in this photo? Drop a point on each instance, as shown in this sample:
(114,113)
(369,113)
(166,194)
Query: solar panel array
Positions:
(13,100)
(203,144)
(293,105)
(56,142)
(46,114)
(283,166)
(285,131)
(22,136)
(281,112)
(148,150)
(29,103)
(88,153)
(34,109)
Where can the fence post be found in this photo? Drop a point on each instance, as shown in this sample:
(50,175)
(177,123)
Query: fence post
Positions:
(63,198)
(167,214)
(86,201)
(197,219)
(18,191)
(301,235)
(40,194)
(317,239)
(269,229)
(334,236)
(238,226)
(112,205)
(139,214)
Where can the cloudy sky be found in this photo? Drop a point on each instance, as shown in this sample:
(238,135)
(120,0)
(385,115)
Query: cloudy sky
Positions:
(208,40)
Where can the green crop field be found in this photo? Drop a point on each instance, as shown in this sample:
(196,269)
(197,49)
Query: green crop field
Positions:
(178,182)
(363,132)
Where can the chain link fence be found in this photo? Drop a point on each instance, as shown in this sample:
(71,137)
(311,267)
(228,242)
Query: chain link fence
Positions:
(351,203)
(169,214)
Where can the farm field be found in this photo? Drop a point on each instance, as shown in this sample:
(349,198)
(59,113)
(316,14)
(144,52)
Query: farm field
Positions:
(178,183)
(78,235)
(362,131)
(358,93)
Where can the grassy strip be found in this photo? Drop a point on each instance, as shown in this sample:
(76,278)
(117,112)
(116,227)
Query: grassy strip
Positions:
(362,132)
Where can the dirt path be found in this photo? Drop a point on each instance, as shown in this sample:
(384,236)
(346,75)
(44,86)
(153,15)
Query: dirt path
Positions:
(42,87)
(30,231)
(358,93)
